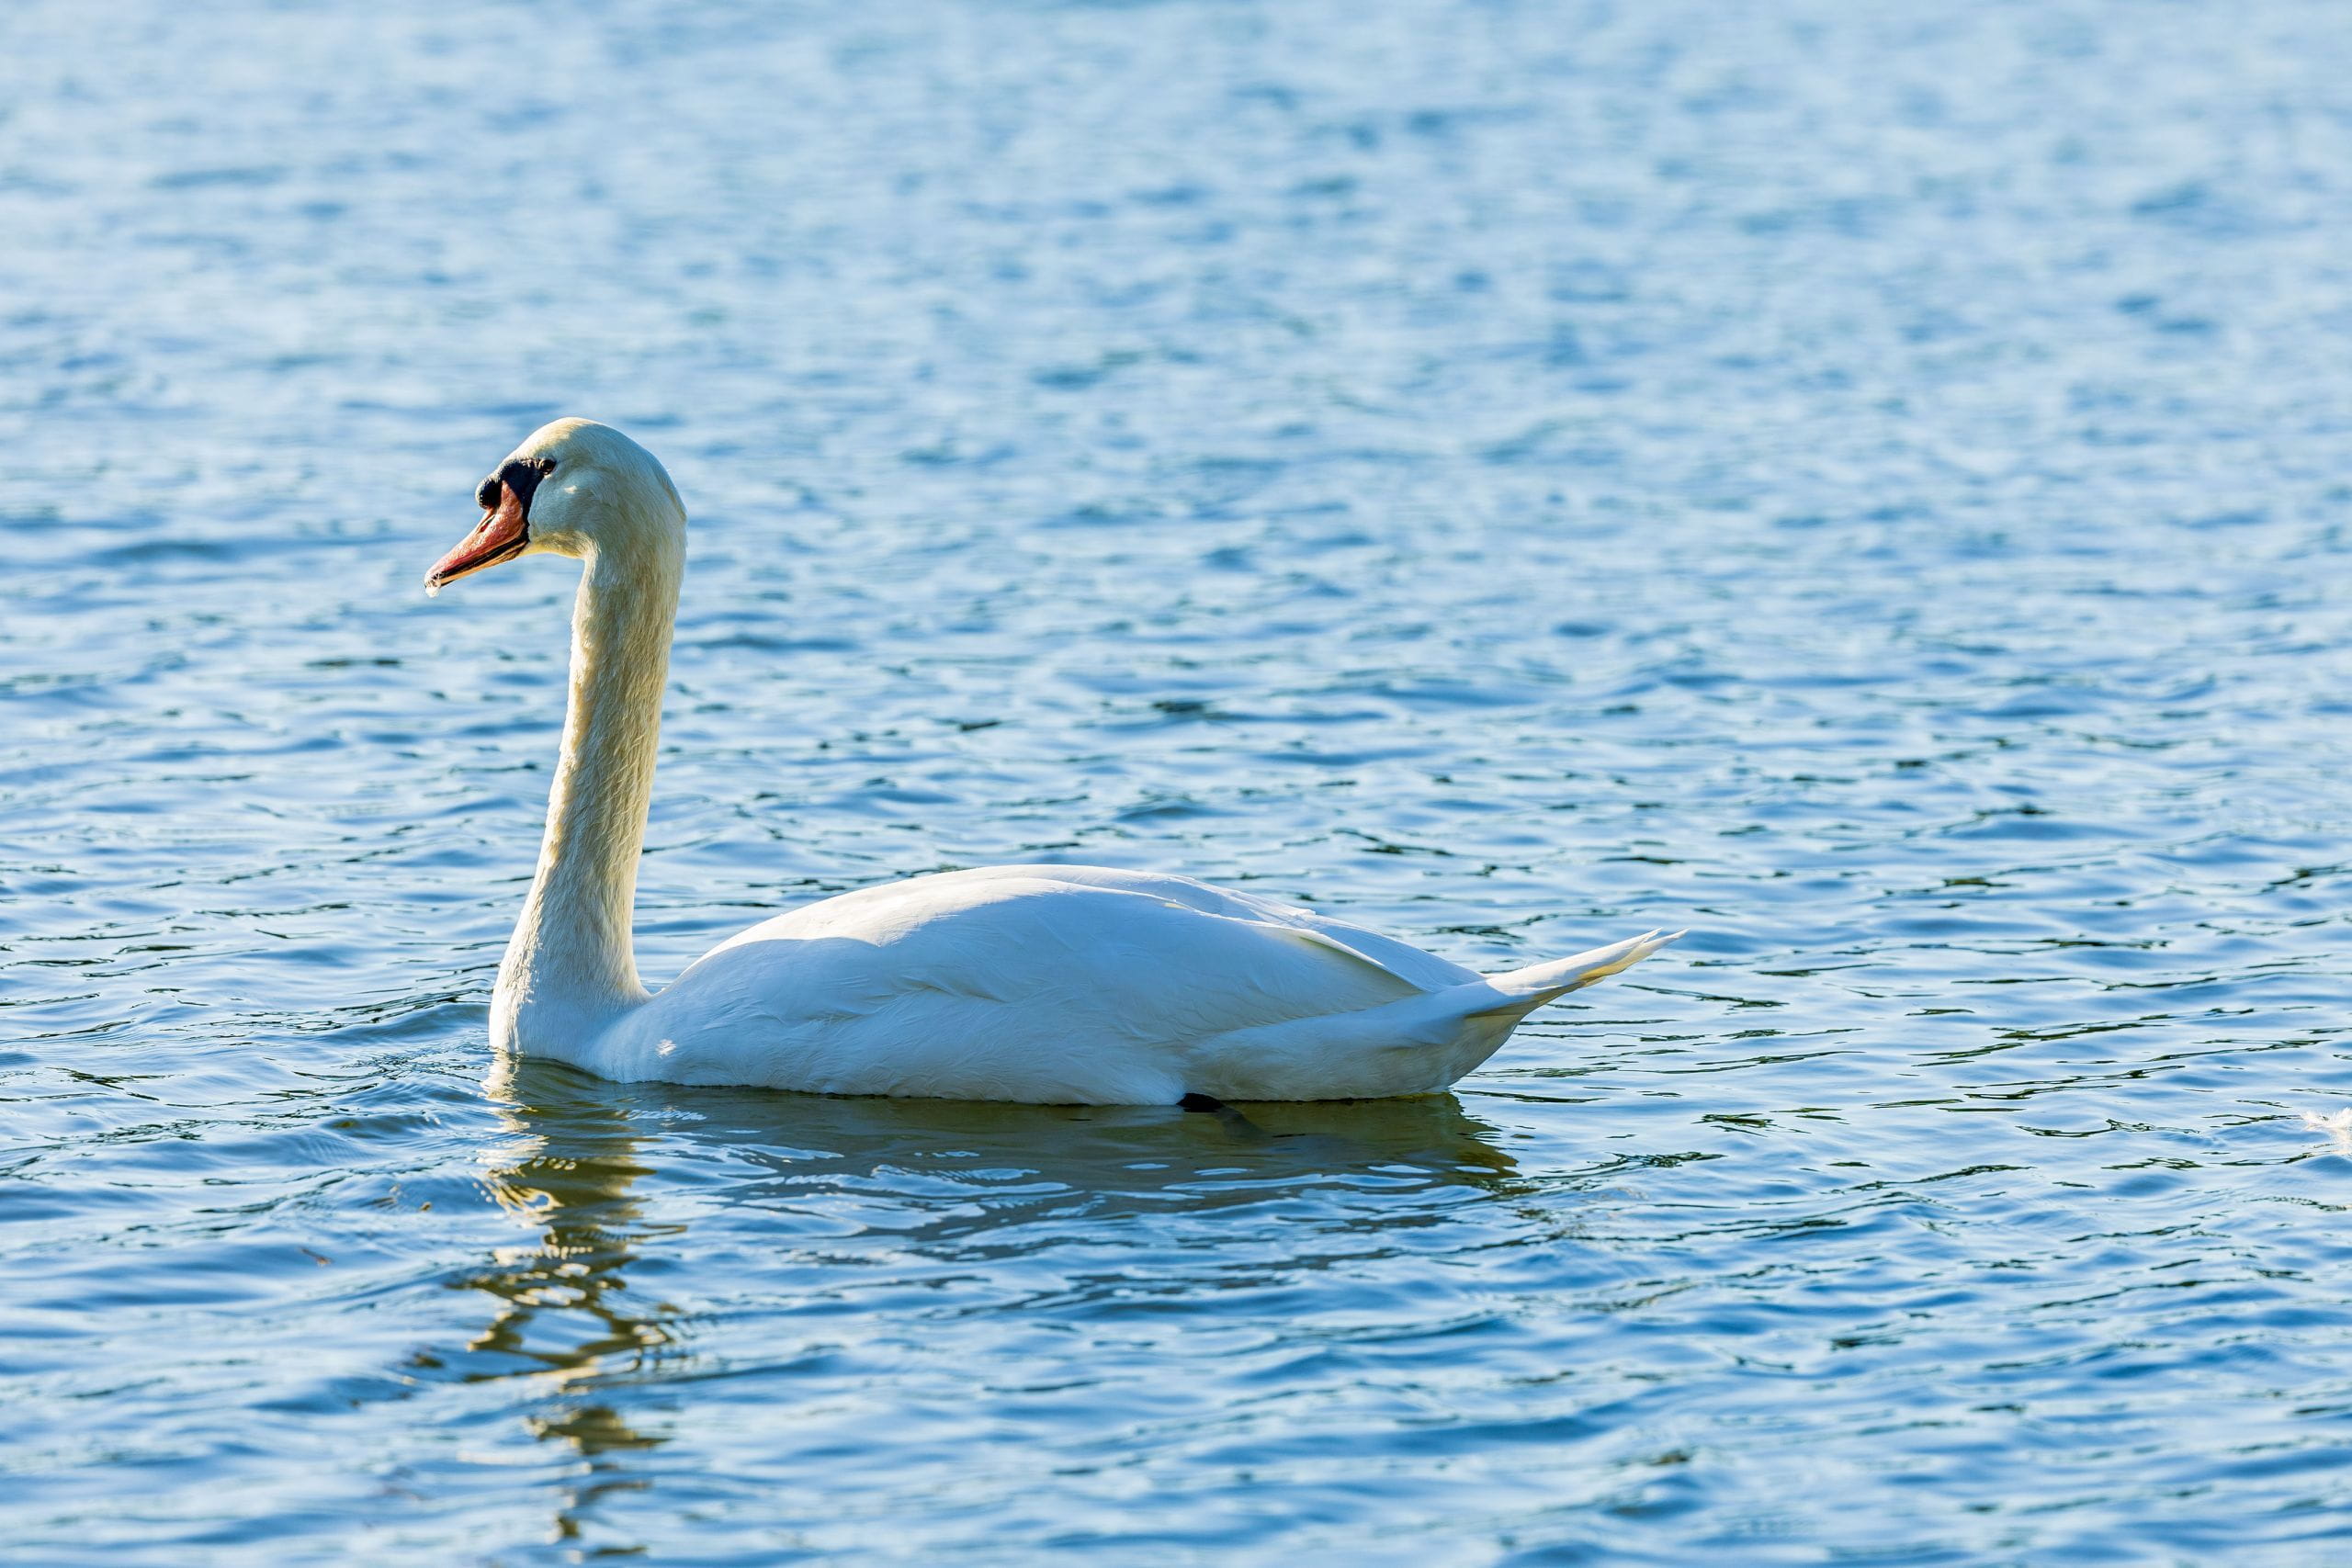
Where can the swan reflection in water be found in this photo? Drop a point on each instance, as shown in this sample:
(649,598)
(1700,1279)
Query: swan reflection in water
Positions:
(614,1176)
(624,1183)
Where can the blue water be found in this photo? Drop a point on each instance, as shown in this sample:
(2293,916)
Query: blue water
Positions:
(1872,483)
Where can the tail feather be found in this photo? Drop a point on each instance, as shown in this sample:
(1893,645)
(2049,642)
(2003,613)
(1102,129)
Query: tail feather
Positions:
(1526,989)
(1417,1045)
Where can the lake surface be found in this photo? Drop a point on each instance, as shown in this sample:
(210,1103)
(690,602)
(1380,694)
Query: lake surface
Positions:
(1870,483)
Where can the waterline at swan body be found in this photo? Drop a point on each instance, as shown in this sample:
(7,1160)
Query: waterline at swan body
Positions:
(1047,983)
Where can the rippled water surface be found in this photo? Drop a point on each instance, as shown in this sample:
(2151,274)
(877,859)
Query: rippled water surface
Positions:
(1871,483)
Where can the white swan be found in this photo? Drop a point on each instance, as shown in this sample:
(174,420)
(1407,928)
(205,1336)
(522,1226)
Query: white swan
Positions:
(1049,984)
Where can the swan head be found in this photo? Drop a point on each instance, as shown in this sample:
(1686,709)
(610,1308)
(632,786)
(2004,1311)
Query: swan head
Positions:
(572,488)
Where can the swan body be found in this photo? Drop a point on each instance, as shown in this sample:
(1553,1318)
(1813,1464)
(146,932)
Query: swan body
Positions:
(1046,984)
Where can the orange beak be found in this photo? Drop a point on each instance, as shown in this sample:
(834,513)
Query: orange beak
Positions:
(504,528)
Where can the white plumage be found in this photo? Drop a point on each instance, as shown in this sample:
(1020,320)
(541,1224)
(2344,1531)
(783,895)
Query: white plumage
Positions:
(1047,983)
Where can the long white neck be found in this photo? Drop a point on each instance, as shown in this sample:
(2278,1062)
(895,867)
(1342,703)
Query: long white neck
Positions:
(571,966)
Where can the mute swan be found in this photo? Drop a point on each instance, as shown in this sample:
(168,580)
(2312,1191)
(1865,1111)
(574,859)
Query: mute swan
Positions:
(1048,984)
